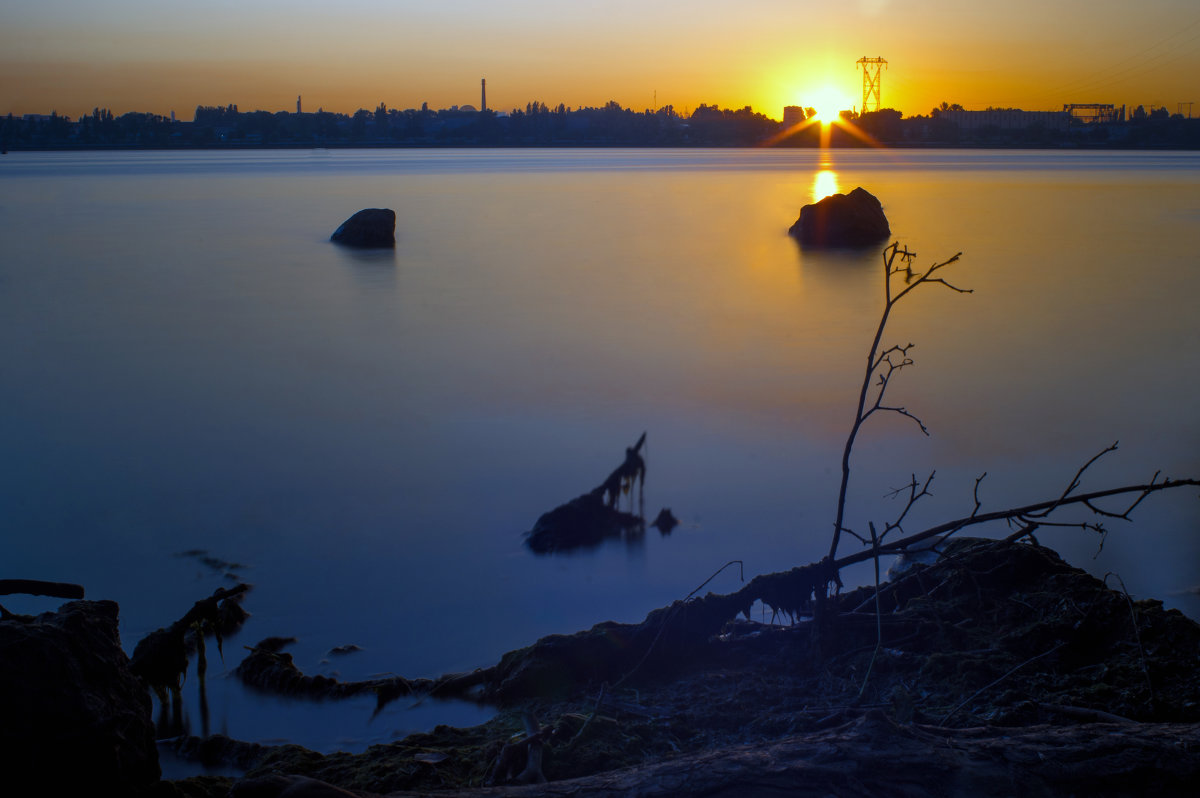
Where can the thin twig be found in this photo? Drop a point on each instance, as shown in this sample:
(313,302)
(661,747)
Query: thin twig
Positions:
(878,612)
(1137,635)
(1084,713)
(992,684)
(741,577)
(670,615)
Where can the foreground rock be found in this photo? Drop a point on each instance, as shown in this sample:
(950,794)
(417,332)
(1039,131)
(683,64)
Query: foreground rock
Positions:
(75,718)
(842,220)
(371,228)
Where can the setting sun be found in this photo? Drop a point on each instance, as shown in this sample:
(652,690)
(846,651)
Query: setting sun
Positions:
(828,102)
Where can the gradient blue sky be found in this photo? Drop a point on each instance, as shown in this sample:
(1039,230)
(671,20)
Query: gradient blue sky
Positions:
(149,55)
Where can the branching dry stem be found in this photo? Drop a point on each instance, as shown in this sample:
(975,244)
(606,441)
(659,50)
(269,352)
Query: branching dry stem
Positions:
(883,364)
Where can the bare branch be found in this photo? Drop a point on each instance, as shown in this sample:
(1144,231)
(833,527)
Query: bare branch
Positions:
(1079,474)
(855,535)
(913,497)
(902,411)
(1027,512)
(927,278)
(878,609)
(978,504)
(37,587)
(881,363)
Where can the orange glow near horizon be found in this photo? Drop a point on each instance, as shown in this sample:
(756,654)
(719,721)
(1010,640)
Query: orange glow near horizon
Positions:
(139,55)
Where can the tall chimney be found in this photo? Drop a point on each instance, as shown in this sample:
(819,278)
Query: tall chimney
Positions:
(483,94)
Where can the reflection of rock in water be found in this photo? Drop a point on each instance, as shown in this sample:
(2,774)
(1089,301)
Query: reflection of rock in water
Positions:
(594,517)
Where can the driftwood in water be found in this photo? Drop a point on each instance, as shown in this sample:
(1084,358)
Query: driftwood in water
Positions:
(590,519)
(36,587)
(270,669)
(161,657)
(558,664)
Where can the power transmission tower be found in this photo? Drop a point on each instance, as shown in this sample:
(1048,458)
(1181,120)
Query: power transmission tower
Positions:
(871,82)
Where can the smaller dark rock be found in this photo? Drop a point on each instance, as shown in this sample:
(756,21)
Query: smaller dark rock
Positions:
(665,521)
(372,227)
(842,220)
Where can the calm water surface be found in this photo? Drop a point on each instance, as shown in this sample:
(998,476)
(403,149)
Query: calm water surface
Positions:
(188,364)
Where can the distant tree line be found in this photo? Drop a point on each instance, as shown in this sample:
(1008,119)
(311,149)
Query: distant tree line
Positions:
(540,125)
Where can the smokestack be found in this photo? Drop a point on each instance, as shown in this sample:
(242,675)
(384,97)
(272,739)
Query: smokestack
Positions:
(483,94)
(297,103)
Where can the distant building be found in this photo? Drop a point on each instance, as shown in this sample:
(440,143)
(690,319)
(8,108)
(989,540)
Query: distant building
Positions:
(1007,119)
(792,115)
(1094,113)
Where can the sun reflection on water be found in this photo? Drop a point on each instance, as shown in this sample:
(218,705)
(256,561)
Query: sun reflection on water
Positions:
(825,183)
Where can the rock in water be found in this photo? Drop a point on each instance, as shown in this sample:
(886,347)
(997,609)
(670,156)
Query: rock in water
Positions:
(371,227)
(842,220)
(75,718)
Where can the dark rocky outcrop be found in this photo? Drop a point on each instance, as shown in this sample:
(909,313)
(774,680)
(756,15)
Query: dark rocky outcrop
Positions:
(372,228)
(75,718)
(842,220)
(997,670)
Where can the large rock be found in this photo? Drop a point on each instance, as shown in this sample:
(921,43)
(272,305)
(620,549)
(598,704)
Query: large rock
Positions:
(371,227)
(74,717)
(842,220)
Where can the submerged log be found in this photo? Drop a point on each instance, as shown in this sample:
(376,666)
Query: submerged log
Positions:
(594,517)
(36,587)
(270,669)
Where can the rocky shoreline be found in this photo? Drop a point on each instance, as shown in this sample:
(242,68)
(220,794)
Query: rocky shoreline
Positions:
(997,670)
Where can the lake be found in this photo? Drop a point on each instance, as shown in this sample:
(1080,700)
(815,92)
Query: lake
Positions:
(189,365)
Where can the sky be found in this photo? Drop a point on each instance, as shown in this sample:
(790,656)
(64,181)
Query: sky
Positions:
(153,56)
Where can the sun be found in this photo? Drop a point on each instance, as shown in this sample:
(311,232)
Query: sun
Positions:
(828,102)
